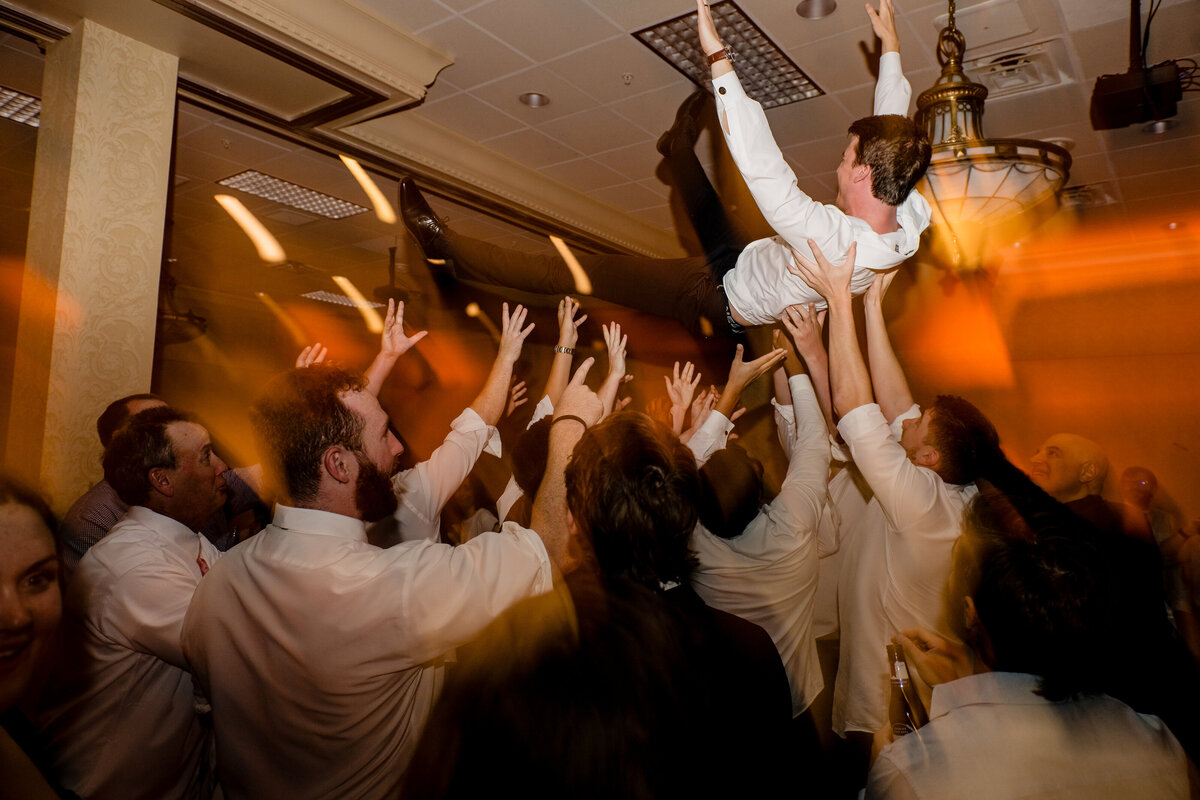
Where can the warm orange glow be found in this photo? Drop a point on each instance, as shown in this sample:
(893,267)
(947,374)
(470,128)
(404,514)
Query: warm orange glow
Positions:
(583,284)
(473,310)
(383,209)
(285,319)
(369,313)
(268,246)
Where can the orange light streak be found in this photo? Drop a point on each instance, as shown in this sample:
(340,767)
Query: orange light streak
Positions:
(268,247)
(369,314)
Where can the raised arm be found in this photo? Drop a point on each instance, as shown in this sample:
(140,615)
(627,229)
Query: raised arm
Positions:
(393,344)
(804,325)
(742,374)
(564,351)
(578,409)
(850,382)
(892,90)
(490,403)
(887,376)
(681,387)
(615,342)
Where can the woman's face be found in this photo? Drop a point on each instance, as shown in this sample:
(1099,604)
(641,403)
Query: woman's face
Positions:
(30,600)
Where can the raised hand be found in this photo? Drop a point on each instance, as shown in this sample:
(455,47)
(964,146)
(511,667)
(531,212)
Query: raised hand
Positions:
(394,342)
(578,400)
(681,389)
(512,332)
(710,40)
(878,288)
(313,354)
(803,324)
(883,22)
(568,326)
(826,278)
(516,398)
(936,660)
(743,373)
(615,343)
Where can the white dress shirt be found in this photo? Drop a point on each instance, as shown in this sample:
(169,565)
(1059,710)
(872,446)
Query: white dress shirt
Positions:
(322,655)
(894,563)
(424,490)
(123,723)
(990,736)
(760,287)
(768,574)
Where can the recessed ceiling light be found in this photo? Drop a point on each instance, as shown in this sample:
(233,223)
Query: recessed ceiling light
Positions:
(20,107)
(291,194)
(534,99)
(1159,126)
(769,76)
(816,9)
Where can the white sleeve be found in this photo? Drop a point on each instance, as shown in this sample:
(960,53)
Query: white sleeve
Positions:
(424,489)
(710,437)
(789,211)
(892,90)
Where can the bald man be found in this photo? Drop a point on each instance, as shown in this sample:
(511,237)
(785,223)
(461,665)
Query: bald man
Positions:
(1072,469)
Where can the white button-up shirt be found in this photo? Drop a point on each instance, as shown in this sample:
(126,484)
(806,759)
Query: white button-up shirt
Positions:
(895,562)
(123,723)
(760,287)
(322,655)
(990,736)
(768,574)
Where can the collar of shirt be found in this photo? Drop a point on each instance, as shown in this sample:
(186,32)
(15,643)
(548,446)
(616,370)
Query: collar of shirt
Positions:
(986,688)
(171,529)
(322,523)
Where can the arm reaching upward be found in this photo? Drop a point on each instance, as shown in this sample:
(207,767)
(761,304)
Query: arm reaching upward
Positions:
(394,343)
(804,324)
(493,399)
(887,376)
(568,335)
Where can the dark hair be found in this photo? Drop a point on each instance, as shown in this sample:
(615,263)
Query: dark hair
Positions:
(1044,594)
(632,488)
(299,416)
(14,491)
(117,414)
(141,445)
(529,456)
(964,438)
(897,151)
(731,491)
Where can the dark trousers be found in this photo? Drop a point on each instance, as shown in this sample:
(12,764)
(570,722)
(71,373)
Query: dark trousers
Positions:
(688,289)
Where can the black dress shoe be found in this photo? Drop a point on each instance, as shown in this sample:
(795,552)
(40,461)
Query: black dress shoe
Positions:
(423,223)
(683,132)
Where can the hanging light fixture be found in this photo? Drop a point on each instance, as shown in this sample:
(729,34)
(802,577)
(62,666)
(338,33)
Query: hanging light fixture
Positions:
(983,191)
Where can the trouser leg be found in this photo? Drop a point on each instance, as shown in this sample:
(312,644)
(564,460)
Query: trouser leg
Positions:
(682,288)
(703,205)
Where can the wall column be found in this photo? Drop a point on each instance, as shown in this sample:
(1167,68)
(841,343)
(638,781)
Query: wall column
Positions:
(89,296)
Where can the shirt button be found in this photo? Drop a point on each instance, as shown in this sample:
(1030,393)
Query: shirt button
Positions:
(721,89)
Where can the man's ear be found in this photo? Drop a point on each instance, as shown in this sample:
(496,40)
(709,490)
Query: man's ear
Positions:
(1087,472)
(336,463)
(862,172)
(160,481)
(927,456)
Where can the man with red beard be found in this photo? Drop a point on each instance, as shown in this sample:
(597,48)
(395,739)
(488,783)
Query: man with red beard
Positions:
(320,653)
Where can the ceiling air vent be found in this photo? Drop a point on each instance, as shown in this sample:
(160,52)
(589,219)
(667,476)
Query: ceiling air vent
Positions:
(767,74)
(1030,68)
(1091,195)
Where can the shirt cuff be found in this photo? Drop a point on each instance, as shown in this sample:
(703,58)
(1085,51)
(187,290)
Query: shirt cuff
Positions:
(544,408)
(733,91)
(860,420)
(470,422)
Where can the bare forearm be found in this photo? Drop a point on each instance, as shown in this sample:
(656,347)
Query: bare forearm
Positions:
(887,376)
(608,391)
(549,515)
(493,399)
(850,383)
(379,370)
(818,373)
(560,373)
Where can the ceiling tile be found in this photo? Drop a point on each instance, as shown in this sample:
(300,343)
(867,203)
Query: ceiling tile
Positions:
(654,111)
(628,197)
(478,57)
(543,29)
(565,97)
(819,118)
(659,216)
(1015,115)
(469,116)
(411,15)
(532,148)
(594,131)
(1157,156)
(1090,169)
(226,142)
(833,65)
(1181,179)
(584,174)
(633,15)
(635,162)
(655,185)
(599,70)
(201,165)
